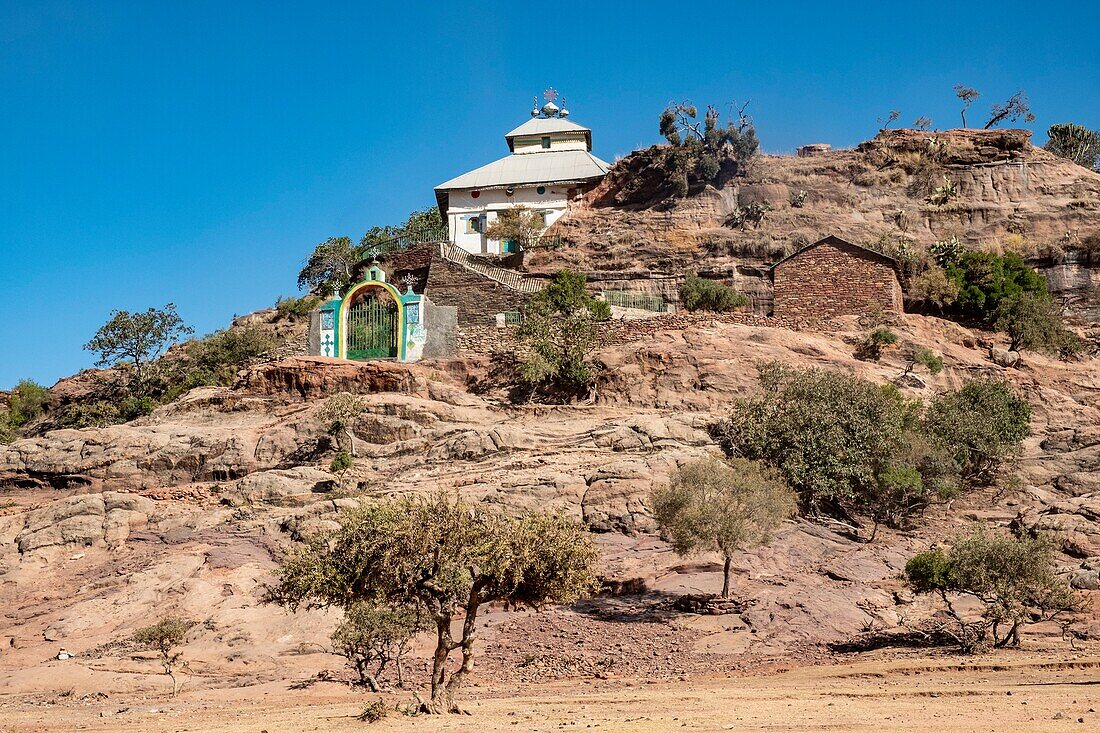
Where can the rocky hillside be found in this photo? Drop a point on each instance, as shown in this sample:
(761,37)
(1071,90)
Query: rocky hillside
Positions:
(1004,194)
(185,510)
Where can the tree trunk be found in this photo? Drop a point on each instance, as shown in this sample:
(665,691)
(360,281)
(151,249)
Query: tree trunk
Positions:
(726,577)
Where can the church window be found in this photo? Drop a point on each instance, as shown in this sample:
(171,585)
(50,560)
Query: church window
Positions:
(546,143)
(473,225)
(540,190)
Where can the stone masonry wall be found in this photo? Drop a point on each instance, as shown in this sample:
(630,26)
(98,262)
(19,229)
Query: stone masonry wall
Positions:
(834,279)
(477,298)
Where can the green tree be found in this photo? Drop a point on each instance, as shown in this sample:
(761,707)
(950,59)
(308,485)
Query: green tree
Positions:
(698,146)
(980,426)
(27,401)
(720,506)
(372,636)
(163,637)
(700,294)
(1014,580)
(138,339)
(559,326)
(445,558)
(1034,322)
(828,433)
(1074,142)
(985,279)
(518,224)
(329,268)
(933,287)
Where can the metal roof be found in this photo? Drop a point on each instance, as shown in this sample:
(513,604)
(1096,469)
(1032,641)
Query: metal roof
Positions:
(543,126)
(548,166)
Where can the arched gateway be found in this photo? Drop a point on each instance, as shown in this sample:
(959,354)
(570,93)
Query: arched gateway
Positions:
(373,320)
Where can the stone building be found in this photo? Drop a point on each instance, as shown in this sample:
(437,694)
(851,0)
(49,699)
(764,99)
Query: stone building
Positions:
(833,277)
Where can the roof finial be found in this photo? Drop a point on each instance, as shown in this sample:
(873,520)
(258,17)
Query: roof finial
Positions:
(535,108)
(550,109)
(564,112)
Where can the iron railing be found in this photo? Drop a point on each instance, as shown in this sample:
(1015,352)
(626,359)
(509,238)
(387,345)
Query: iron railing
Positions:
(640,301)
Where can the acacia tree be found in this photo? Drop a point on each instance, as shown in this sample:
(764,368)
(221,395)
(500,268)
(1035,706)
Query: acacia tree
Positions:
(1016,107)
(1034,321)
(163,637)
(1074,142)
(1013,578)
(137,339)
(446,558)
(967,95)
(720,506)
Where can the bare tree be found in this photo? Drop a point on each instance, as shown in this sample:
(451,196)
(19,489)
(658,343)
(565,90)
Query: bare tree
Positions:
(967,95)
(1015,108)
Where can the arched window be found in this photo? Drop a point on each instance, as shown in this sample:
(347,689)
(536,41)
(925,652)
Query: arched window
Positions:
(473,225)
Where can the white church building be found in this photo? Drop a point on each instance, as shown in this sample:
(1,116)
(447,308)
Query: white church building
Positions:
(550,164)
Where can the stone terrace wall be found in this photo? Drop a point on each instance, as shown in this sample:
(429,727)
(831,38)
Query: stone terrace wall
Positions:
(482,339)
(834,279)
(477,298)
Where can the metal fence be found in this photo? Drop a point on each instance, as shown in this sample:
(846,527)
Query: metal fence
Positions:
(640,301)
(407,238)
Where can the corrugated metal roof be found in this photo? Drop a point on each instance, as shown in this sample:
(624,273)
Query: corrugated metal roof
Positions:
(549,166)
(545,126)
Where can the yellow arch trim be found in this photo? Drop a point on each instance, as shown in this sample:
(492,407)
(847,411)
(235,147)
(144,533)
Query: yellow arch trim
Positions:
(345,304)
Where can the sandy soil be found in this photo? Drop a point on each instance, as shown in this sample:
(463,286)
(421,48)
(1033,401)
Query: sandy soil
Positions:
(1003,692)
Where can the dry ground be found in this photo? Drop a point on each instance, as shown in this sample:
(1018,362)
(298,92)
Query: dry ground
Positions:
(1005,692)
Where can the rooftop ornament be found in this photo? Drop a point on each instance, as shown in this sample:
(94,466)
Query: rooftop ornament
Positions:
(549,110)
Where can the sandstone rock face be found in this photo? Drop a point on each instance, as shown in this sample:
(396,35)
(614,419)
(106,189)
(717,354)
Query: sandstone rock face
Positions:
(1011,195)
(86,520)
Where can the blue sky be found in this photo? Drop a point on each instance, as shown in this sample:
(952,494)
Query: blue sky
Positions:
(195,152)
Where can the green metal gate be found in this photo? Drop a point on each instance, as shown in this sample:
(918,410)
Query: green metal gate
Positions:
(372,328)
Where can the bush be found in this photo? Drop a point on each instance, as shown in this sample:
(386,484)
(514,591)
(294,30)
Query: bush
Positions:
(296,308)
(8,430)
(28,401)
(843,442)
(980,426)
(93,414)
(698,148)
(131,408)
(342,462)
(445,558)
(1013,579)
(216,359)
(700,294)
(163,637)
(871,347)
(374,711)
(559,326)
(933,287)
(372,636)
(1034,322)
(984,280)
(722,506)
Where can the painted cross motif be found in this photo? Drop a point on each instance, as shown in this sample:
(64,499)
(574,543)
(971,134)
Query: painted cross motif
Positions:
(409,281)
(328,344)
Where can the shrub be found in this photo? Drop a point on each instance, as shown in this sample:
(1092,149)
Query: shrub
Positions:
(1034,322)
(8,430)
(163,637)
(372,636)
(925,357)
(28,401)
(700,294)
(843,442)
(979,425)
(374,711)
(825,431)
(446,558)
(216,359)
(93,414)
(559,326)
(985,279)
(518,224)
(1013,579)
(131,408)
(933,287)
(722,506)
(341,462)
(295,308)
(873,344)
(798,199)
(698,148)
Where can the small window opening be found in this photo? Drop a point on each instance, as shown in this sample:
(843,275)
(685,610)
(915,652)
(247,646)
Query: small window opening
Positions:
(546,143)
